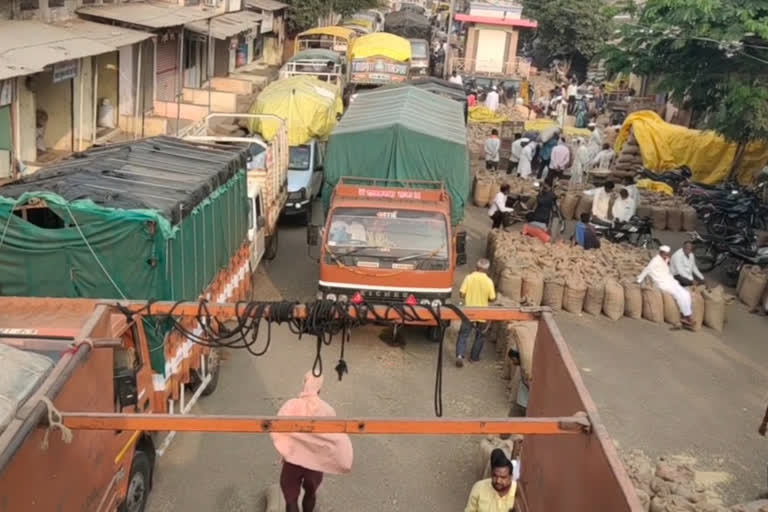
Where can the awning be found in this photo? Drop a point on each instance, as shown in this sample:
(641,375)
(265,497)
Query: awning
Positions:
(227,25)
(149,14)
(109,35)
(266,5)
(28,46)
(486,20)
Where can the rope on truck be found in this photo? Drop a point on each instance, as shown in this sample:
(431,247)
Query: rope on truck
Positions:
(324,320)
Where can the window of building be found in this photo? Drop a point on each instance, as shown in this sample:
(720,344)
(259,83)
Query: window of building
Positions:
(28,5)
(55,3)
(86,2)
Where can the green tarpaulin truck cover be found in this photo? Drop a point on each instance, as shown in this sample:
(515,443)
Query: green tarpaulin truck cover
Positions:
(401,134)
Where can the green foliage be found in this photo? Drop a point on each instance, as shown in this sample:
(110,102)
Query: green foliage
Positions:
(711,54)
(303,14)
(568,28)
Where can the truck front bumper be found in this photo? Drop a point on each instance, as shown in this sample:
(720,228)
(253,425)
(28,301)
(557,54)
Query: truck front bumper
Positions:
(296,207)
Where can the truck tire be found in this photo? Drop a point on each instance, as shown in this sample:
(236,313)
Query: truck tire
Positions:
(271,250)
(213,366)
(138,484)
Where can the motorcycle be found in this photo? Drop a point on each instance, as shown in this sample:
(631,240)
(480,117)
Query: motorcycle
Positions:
(712,250)
(738,257)
(637,232)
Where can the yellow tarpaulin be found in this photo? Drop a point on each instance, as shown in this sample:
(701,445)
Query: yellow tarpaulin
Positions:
(480,114)
(382,44)
(665,146)
(307,104)
(539,125)
(655,186)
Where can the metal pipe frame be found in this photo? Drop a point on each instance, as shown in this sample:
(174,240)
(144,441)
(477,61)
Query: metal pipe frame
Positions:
(577,424)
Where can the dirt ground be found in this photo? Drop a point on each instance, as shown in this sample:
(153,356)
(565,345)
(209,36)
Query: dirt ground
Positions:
(698,395)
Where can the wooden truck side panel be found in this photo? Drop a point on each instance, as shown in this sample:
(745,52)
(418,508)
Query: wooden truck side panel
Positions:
(72,477)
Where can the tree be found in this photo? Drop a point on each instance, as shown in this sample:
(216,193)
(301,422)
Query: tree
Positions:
(570,30)
(303,14)
(712,55)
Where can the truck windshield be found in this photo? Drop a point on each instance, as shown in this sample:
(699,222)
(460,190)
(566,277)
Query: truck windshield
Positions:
(299,158)
(397,235)
(418,49)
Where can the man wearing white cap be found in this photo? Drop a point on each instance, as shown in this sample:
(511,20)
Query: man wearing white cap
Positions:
(658,271)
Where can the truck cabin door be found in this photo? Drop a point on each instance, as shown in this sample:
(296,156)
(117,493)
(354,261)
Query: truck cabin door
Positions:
(256,228)
(318,159)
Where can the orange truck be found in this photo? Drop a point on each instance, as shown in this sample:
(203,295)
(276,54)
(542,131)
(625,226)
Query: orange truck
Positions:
(78,414)
(389,240)
(396,182)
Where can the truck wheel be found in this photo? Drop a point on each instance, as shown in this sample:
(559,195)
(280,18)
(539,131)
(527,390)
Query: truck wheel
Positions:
(138,484)
(213,366)
(271,251)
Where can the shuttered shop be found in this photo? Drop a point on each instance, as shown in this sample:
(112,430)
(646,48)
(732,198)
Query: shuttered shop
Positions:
(167,69)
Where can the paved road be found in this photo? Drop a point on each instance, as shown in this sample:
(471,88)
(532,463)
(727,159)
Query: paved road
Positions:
(698,395)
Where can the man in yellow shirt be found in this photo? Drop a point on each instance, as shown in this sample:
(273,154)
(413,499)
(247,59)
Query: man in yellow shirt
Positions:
(476,290)
(495,494)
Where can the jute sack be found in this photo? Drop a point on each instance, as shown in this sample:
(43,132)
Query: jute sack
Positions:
(569,204)
(487,445)
(752,288)
(495,189)
(532,289)
(510,285)
(674,219)
(659,217)
(653,304)
(573,297)
(482,194)
(671,310)
(553,293)
(633,300)
(507,370)
(503,336)
(643,211)
(525,335)
(697,304)
(714,308)
(585,206)
(742,274)
(613,302)
(689,218)
(593,301)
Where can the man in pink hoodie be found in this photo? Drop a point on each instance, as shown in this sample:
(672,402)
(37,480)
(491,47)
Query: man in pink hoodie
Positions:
(307,456)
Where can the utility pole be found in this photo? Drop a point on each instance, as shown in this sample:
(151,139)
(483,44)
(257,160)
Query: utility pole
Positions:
(448,64)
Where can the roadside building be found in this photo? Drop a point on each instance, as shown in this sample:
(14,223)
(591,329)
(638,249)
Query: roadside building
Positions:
(51,100)
(492,39)
(268,48)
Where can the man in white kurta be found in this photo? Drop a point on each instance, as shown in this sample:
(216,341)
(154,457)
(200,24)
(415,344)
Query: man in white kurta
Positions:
(658,271)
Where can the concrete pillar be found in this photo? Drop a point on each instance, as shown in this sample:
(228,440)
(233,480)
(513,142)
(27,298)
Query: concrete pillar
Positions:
(26,121)
(127,81)
(83,118)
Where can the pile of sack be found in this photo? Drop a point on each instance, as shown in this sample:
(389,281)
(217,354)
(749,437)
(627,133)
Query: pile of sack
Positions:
(752,287)
(667,212)
(566,277)
(667,486)
(664,215)
(487,185)
(629,158)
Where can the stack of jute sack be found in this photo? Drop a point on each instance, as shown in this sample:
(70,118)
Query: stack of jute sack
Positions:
(488,183)
(752,287)
(629,159)
(669,486)
(566,277)
(667,212)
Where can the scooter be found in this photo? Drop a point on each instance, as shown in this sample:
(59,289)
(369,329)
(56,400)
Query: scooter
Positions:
(637,232)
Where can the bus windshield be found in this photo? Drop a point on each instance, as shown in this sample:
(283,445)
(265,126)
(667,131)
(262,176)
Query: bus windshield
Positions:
(398,235)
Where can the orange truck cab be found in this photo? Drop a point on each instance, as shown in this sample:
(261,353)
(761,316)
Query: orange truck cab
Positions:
(389,240)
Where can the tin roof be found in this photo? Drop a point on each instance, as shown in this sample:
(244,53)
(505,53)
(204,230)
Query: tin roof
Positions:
(28,46)
(227,25)
(109,35)
(149,14)
(267,5)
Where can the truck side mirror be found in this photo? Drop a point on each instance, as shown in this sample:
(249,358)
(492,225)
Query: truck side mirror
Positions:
(261,222)
(461,248)
(313,235)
